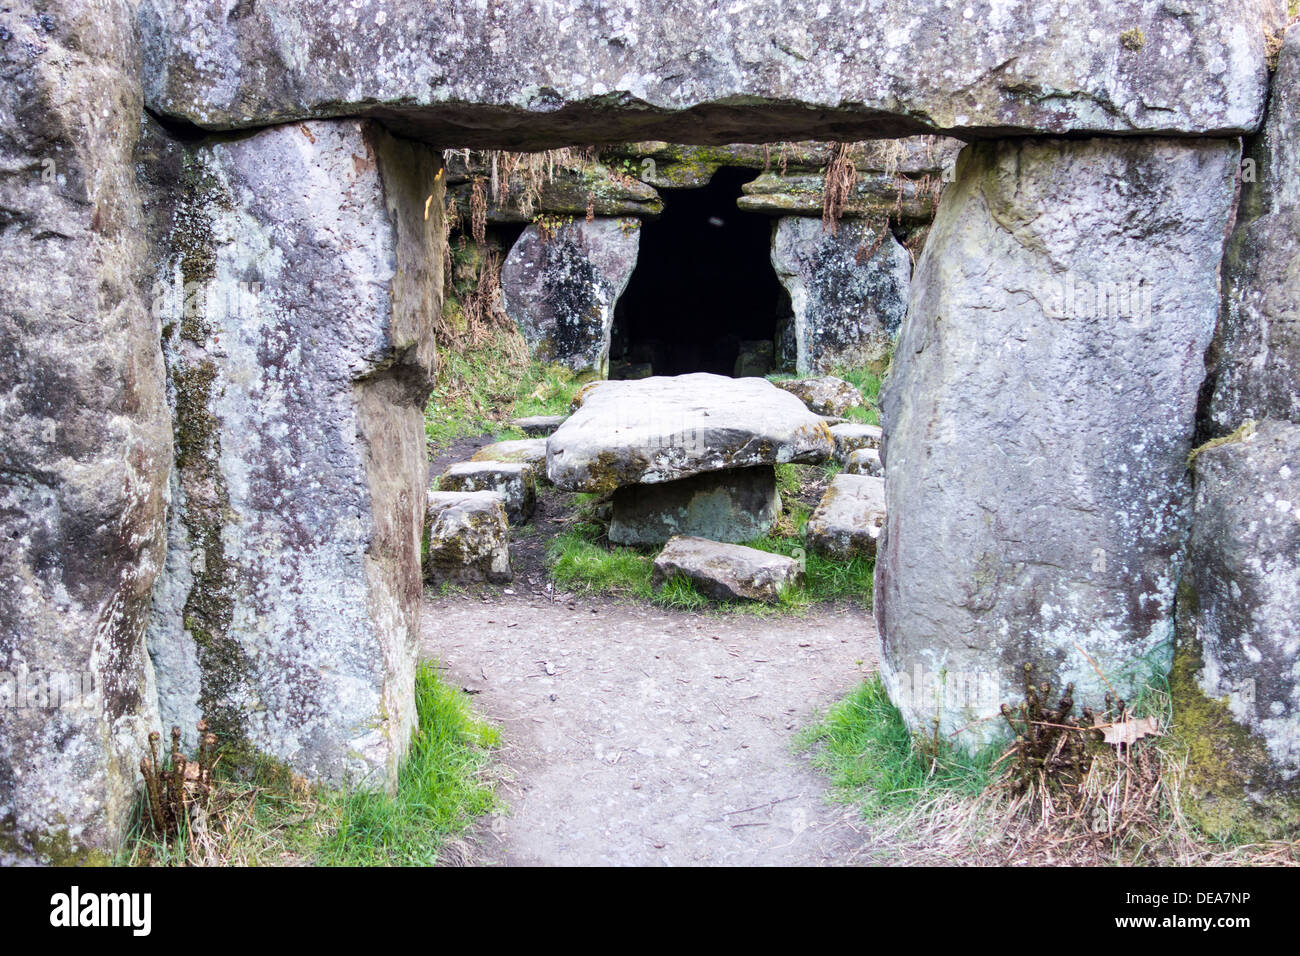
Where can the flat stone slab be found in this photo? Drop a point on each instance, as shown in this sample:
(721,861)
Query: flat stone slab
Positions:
(468,537)
(529,451)
(852,436)
(826,395)
(727,572)
(848,520)
(669,427)
(733,505)
(864,461)
(512,480)
(539,425)
(550,72)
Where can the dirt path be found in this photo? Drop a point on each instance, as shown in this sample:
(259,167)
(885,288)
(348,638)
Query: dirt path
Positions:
(638,736)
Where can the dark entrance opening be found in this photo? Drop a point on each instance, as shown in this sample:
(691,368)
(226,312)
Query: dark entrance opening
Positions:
(703,286)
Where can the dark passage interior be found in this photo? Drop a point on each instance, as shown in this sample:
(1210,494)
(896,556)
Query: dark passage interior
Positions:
(703,286)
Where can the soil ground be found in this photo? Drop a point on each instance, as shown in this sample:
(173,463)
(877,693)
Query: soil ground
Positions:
(634,735)
(639,735)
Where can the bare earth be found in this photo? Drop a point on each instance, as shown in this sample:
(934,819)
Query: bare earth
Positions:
(638,736)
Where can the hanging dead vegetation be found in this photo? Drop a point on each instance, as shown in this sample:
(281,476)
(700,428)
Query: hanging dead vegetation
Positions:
(840,177)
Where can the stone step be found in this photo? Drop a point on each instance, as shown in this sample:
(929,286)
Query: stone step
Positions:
(864,461)
(826,395)
(848,520)
(850,437)
(468,537)
(539,426)
(514,481)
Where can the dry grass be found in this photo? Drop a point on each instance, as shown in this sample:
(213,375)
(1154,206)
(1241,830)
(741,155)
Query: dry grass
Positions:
(1066,799)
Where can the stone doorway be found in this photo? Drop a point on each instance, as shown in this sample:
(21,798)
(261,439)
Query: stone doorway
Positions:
(703,296)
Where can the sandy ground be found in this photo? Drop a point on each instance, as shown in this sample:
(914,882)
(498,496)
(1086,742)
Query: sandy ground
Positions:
(638,736)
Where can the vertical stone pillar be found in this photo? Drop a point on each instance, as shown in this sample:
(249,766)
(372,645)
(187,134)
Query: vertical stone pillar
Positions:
(561,287)
(299,286)
(849,290)
(1038,419)
(85,447)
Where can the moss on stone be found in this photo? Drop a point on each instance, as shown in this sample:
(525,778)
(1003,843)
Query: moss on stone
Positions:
(1225,791)
(1133,39)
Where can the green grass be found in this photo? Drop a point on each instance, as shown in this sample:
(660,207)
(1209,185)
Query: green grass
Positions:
(480,389)
(578,563)
(865,748)
(868,381)
(265,815)
(440,788)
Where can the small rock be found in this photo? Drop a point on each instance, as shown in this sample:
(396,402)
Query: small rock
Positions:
(848,520)
(469,537)
(539,426)
(727,572)
(529,451)
(864,461)
(514,481)
(827,395)
(851,437)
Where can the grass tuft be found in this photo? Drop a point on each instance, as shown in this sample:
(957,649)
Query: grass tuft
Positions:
(440,787)
(267,815)
(865,747)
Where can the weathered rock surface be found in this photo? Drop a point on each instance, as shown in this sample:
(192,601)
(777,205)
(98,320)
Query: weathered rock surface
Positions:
(298,283)
(676,166)
(540,74)
(875,196)
(1257,360)
(468,538)
(733,505)
(850,436)
(1239,633)
(1038,418)
(568,192)
(560,289)
(846,311)
(665,428)
(86,441)
(727,572)
(827,395)
(846,523)
(539,425)
(864,461)
(530,451)
(513,481)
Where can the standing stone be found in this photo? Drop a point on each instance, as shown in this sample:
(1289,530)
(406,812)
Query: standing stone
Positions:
(1257,367)
(849,290)
(1236,680)
(738,504)
(299,288)
(85,447)
(560,288)
(1038,419)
